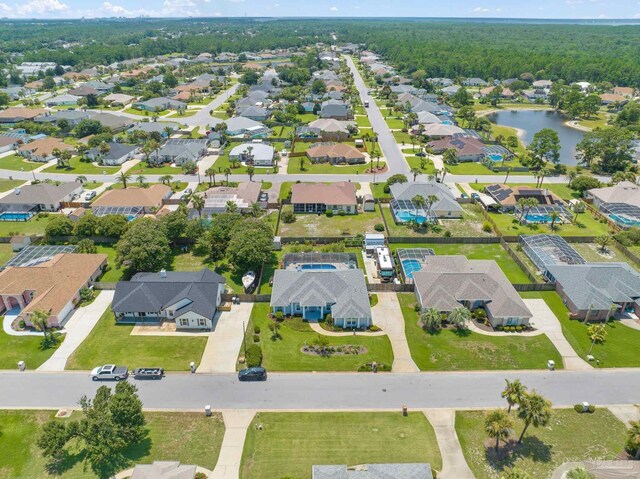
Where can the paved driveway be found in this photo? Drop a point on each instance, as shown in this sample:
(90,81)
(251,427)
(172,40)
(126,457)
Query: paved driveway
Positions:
(388,316)
(78,328)
(221,353)
(454,465)
(545,321)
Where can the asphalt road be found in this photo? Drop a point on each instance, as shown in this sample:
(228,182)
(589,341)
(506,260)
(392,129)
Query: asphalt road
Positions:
(333,391)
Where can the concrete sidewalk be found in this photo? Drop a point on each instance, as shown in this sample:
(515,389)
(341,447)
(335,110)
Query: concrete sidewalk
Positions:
(78,328)
(387,314)
(236,423)
(454,465)
(221,353)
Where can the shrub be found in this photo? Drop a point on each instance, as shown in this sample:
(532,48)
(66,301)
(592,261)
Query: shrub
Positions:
(578,408)
(341,213)
(279,315)
(373,328)
(416,308)
(447,234)
(386,189)
(500,327)
(256,329)
(328,319)
(256,338)
(254,356)
(329,213)
(486,227)
(22,324)
(592,408)
(379,227)
(288,217)
(519,328)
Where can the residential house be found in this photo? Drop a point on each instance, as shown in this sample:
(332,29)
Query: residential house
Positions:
(313,294)
(240,126)
(243,196)
(53,286)
(542,85)
(613,99)
(336,109)
(445,206)
(118,153)
(625,91)
(101,86)
(596,291)
(256,154)
(8,143)
(624,192)
(335,153)
(255,113)
(116,123)
(72,116)
(159,104)
(330,129)
(17,92)
(441,130)
(450,90)
(164,470)
(18,114)
(449,282)
(320,197)
(40,197)
(155,126)
(373,471)
(131,201)
(191,299)
(475,82)
(42,149)
(62,100)
(507,196)
(28,69)
(180,151)
(118,99)
(83,91)
(468,149)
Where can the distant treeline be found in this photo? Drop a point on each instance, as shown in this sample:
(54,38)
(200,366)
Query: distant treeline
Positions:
(594,53)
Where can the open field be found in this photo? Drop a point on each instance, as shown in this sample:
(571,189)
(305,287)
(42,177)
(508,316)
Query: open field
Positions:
(77,167)
(314,225)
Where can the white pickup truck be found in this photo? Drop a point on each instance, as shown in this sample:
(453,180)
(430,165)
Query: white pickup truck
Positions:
(110,371)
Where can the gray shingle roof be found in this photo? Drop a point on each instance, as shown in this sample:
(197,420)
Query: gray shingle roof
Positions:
(345,289)
(116,151)
(150,292)
(43,193)
(374,471)
(597,285)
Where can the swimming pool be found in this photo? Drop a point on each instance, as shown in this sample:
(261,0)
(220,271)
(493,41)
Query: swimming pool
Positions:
(537,218)
(623,220)
(324,266)
(495,157)
(8,216)
(410,266)
(406,216)
(447,122)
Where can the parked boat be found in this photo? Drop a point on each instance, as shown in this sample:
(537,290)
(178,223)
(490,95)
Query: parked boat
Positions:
(248,280)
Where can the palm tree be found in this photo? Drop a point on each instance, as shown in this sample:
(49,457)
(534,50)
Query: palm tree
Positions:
(256,209)
(444,172)
(497,425)
(40,320)
(513,392)
(554,216)
(633,438)
(459,317)
(506,178)
(418,203)
(431,319)
(603,241)
(166,179)
(571,176)
(415,172)
(534,410)
(542,174)
(579,473)
(431,200)
(124,178)
(198,204)
(81,179)
(227,172)
(597,334)
(578,209)
(211,173)
(250,171)
(510,473)
(142,181)
(231,207)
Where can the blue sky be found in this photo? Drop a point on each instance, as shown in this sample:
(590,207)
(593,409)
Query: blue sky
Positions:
(578,9)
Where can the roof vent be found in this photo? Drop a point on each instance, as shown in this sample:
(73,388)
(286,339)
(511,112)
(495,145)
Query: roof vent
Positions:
(163,273)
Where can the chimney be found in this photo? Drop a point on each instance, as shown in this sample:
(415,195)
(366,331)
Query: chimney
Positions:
(163,273)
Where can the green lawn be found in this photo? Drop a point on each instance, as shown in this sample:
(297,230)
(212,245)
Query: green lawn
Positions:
(223,163)
(568,437)
(289,444)
(198,443)
(185,114)
(619,349)
(394,123)
(593,254)
(306,117)
(363,121)
(35,226)
(17,163)
(6,185)
(91,185)
(417,162)
(314,225)
(470,224)
(134,111)
(599,121)
(6,253)
(402,137)
(111,343)
(560,189)
(328,168)
(586,225)
(22,348)
(377,189)
(143,168)
(285,354)
(448,350)
(77,167)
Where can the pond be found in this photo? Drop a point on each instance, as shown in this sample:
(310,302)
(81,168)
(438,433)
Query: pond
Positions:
(532,121)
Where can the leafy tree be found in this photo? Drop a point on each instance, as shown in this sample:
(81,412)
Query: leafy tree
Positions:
(318,86)
(143,247)
(534,410)
(603,241)
(53,438)
(113,226)
(545,146)
(606,149)
(510,473)
(498,425)
(88,127)
(86,246)
(250,245)
(87,225)
(170,80)
(583,183)
(175,224)
(450,156)
(633,439)
(513,392)
(249,78)
(579,473)
(58,226)
(216,239)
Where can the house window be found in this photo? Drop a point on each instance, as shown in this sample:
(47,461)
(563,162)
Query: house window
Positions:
(201,322)
(184,322)
(171,313)
(142,314)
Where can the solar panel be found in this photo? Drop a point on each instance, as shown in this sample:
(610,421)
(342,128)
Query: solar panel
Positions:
(34,255)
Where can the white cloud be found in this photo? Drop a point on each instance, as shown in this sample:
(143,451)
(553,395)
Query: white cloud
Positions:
(334,9)
(480,10)
(5,8)
(38,7)
(178,7)
(115,9)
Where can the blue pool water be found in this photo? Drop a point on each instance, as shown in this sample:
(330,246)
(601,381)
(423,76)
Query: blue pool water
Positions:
(537,219)
(624,220)
(15,216)
(447,122)
(410,266)
(317,266)
(406,216)
(495,157)
(131,217)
